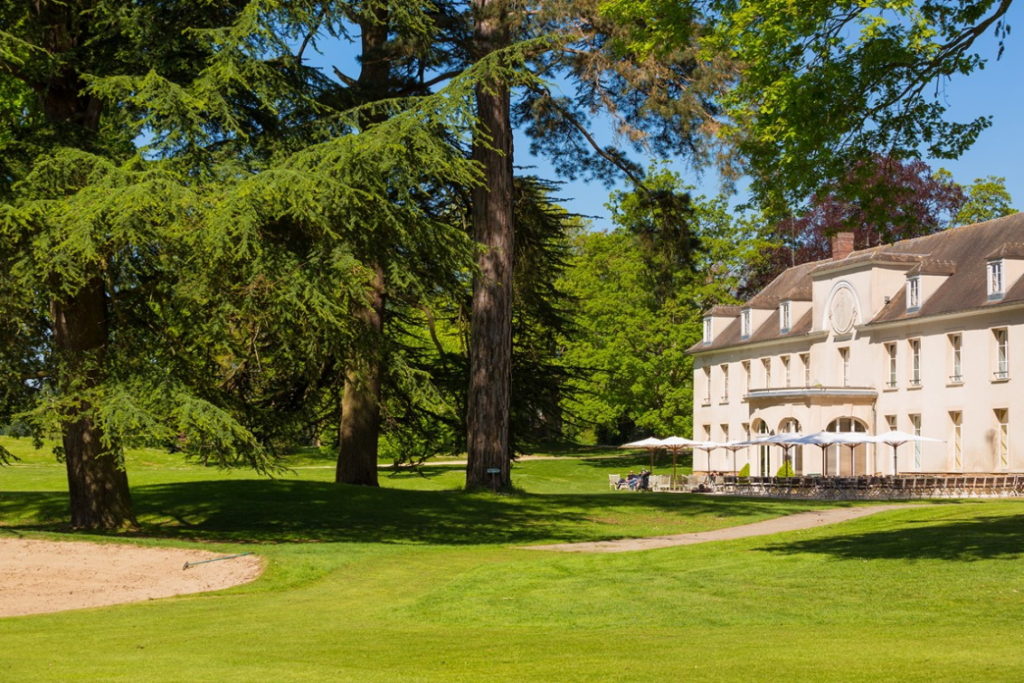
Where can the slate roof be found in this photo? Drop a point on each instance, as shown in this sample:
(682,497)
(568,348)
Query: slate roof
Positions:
(968,249)
(960,253)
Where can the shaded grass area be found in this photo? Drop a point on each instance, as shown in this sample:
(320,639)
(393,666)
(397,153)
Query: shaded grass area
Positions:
(299,511)
(417,581)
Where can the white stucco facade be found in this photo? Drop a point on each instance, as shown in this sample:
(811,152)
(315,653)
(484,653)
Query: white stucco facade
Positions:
(907,336)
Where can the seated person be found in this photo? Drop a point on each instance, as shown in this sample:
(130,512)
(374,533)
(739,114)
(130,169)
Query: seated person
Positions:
(645,480)
(632,479)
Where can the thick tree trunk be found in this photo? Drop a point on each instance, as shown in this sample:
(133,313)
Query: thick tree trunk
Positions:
(97,481)
(360,401)
(359,429)
(490,352)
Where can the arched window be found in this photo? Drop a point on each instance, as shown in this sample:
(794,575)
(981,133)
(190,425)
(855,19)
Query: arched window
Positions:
(847,460)
(791,425)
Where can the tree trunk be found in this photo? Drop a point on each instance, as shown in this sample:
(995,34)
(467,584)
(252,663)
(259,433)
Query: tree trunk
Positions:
(97,481)
(360,401)
(359,429)
(490,352)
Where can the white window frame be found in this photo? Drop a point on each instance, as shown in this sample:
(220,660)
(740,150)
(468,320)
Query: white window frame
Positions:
(745,323)
(766,364)
(844,360)
(725,382)
(915,423)
(746,376)
(785,371)
(1002,416)
(956,357)
(915,362)
(805,358)
(707,330)
(707,386)
(784,317)
(913,293)
(1001,371)
(956,443)
(995,279)
(890,351)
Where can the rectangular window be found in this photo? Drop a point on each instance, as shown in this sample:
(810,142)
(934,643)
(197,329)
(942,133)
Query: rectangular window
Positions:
(725,384)
(956,443)
(844,362)
(745,323)
(746,376)
(785,371)
(915,362)
(890,352)
(1002,365)
(1003,438)
(725,432)
(995,279)
(805,360)
(913,293)
(766,363)
(707,330)
(707,386)
(956,359)
(784,317)
(915,422)
(890,422)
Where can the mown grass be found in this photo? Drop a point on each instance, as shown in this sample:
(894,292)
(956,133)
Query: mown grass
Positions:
(418,581)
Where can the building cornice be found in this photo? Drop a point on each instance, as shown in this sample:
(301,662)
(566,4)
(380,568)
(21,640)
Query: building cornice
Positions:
(774,341)
(941,317)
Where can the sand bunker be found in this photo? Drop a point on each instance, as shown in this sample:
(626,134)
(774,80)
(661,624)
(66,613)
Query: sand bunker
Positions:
(53,576)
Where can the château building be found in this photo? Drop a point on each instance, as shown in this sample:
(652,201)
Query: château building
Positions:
(924,336)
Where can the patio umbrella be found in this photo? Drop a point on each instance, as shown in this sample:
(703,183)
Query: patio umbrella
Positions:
(785,439)
(734,446)
(650,444)
(896,439)
(676,444)
(825,439)
(707,447)
(756,441)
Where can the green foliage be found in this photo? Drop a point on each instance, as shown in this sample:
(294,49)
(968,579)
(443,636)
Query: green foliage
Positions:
(987,198)
(824,84)
(745,470)
(786,470)
(642,291)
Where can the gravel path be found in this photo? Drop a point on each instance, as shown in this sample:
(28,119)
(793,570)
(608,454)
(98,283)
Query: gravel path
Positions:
(801,520)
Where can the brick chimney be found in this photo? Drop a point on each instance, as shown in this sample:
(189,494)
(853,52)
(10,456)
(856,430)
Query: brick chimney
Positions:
(842,245)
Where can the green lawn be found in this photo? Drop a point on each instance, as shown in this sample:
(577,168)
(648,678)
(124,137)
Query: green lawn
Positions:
(418,581)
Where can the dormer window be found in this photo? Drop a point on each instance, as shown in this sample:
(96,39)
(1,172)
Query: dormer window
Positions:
(707,330)
(913,293)
(995,279)
(745,323)
(784,317)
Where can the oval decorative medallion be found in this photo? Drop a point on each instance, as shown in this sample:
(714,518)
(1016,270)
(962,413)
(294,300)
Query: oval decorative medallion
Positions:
(843,311)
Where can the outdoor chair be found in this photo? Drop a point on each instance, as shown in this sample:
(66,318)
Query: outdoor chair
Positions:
(613,481)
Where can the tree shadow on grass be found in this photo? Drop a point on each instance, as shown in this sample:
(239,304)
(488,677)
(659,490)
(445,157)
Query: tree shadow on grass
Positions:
(985,538)
(283,511)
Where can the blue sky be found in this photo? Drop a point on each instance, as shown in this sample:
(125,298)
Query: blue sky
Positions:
(996,91)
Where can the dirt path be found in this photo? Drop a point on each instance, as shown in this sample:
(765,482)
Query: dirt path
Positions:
(53,576)
(801,520)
